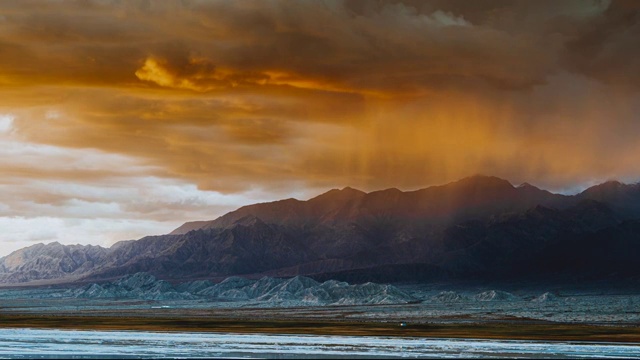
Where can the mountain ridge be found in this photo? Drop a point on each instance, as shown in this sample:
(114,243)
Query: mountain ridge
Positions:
(479,227)
(298,210)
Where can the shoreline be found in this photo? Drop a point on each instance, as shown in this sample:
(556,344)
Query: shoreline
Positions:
(502,330)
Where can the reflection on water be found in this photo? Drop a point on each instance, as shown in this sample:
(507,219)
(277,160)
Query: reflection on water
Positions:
(43,343)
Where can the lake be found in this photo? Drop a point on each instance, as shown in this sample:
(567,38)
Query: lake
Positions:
(46,343)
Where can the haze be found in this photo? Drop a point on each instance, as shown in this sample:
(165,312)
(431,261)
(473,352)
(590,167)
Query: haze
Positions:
(123,119)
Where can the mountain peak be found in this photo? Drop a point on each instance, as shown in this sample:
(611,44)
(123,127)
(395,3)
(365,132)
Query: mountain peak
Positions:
(621,197)
(606,188)
(482,181)
(612,184)
(349,191)
(346,231)
(343,194)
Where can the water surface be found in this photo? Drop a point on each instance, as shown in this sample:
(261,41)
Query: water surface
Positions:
(45,343)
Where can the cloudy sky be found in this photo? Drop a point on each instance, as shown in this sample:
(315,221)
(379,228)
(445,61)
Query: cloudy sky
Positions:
(120,119)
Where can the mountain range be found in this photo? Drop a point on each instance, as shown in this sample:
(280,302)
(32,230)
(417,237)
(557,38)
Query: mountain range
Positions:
(296,291)
(477,228)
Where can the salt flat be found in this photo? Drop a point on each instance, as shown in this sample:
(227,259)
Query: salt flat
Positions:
(44,343)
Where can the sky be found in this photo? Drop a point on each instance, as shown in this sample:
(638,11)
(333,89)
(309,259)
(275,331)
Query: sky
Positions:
(120,119)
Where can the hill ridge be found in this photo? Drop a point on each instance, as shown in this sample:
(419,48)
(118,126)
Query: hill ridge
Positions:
(479,226)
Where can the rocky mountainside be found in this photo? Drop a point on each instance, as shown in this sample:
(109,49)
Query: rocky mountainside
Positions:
(136,286)
(476,228)
(296,291)
(623,198)
(51,261)
(476,196)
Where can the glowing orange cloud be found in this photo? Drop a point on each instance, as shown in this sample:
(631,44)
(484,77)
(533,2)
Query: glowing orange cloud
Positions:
(284,98)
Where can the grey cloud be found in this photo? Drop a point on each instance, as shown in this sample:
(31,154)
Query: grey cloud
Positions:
(607,46)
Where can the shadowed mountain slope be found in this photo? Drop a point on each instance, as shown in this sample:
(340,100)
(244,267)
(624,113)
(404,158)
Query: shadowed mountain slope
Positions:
(470,197)
(476,228)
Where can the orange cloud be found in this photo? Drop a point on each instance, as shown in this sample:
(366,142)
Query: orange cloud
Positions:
(264,100)
(238,96)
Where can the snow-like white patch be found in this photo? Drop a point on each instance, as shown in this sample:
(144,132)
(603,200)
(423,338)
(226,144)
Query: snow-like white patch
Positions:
(495,295)
(546,297)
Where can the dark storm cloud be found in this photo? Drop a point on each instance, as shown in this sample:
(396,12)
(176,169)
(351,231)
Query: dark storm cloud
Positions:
(237,95)
(607,47)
